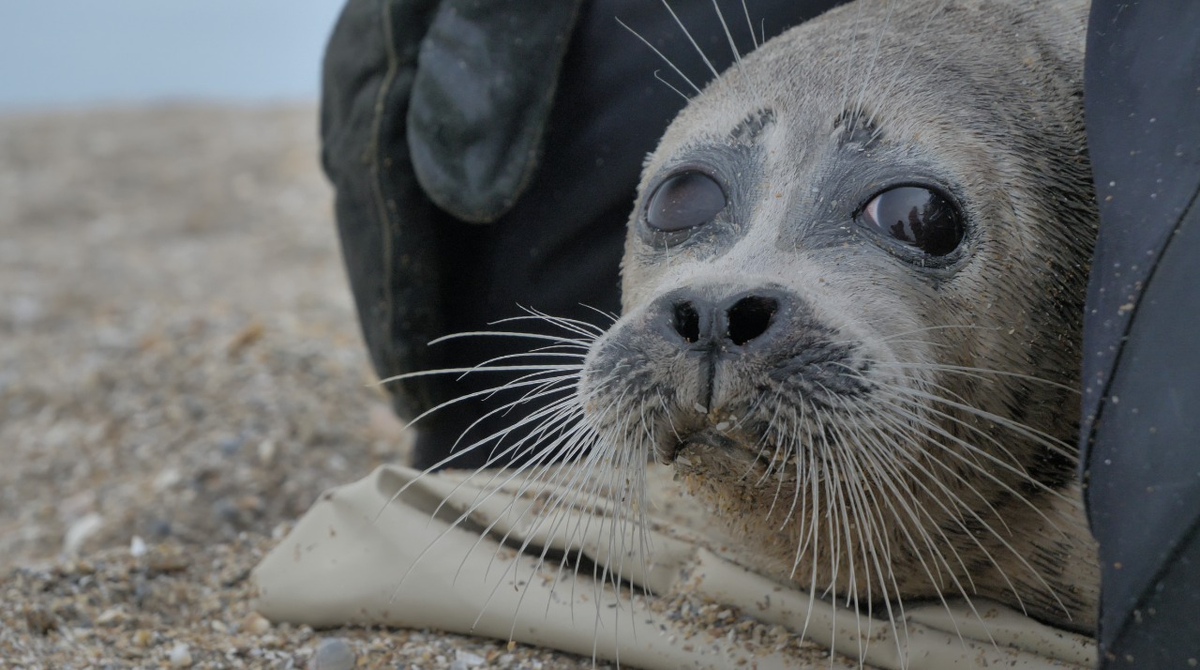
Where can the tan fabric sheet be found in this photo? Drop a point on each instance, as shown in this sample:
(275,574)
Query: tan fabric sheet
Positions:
(383,550)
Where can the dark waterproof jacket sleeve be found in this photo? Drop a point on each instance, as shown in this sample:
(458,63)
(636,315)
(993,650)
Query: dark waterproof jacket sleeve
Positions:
(1141,403)
(463,74)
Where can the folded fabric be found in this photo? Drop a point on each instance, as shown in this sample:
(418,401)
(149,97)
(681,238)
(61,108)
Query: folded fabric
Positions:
(491,554)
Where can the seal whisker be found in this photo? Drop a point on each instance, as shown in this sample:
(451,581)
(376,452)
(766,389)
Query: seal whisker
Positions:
(737,54)
(923,30)
(832,503)
(983,374)
(554,416)
(912,397)
(805,495)
(537,472)
(484,392)
(512,474)
(657,75)
(849,75)
(975,465)
(902,473)
(915,443)
(934,548)
(872,61)
(559,508)
(885,474)
(558,339)
(608,316)
(584,479)
(664,58)
(750,24)
(793,453)
(812,535)
(586,329)
(459,371)
(993,532)
(890,472)
(1044,440)
(891,337)
(781,445)
(858,531)
(687,33)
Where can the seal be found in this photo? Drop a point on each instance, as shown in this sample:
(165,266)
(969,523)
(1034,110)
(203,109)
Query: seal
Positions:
(853,289)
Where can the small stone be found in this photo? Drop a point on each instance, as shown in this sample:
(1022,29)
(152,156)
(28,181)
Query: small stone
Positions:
(231,445)
(253,332)
(180,656)
(160,528)
(142,638)
(80,531)
(111,617)
(266,452)
(137,547)
(256,624)
(333,654)
(168,562)
(40,620)
(467,660)
(166,479)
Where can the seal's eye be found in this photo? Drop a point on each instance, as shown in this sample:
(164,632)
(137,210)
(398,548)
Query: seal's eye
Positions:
(684,200)
(918,217)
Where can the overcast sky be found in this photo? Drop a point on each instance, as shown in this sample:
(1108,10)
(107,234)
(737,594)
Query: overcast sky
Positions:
(57,53)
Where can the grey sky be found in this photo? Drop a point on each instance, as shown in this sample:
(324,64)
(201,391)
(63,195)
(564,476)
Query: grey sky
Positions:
(73,52)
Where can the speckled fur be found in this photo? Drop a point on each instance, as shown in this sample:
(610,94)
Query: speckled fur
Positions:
(985,97)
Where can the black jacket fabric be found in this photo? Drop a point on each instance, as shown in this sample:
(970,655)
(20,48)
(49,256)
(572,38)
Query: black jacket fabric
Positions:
(1140,431)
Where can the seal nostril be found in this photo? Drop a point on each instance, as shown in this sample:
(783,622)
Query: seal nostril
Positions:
(686,321)
(750,317)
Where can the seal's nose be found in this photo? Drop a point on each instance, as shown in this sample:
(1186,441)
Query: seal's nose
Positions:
(749,318)
(717,324)
(689,322)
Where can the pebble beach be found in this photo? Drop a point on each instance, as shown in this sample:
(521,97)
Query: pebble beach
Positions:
(181,375)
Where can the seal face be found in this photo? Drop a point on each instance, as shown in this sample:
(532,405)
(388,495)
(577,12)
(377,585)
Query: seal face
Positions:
(853,288)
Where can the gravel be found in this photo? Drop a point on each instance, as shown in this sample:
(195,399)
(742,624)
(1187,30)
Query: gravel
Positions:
(181,374)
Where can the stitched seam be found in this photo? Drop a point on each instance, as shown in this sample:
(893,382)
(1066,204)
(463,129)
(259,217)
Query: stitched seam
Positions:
(376,180)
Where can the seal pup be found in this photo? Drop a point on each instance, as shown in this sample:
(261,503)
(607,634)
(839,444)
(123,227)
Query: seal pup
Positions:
(852,297)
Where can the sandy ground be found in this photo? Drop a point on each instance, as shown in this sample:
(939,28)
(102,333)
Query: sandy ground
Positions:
(180,375)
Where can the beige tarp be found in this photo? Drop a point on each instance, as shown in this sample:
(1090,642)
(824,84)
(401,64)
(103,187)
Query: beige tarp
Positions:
(385,550)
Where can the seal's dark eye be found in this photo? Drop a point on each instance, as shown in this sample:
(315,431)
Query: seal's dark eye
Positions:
(684,200)
(918,217)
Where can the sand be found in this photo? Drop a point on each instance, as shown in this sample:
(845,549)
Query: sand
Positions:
(181,374)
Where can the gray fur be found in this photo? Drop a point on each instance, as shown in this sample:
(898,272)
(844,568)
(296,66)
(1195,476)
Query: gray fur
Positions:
(911,434)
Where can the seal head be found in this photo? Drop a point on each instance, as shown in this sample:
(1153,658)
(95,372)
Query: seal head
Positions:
(852,291)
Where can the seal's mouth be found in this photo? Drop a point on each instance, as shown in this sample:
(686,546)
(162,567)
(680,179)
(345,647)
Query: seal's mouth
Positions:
(705,440)
(712,449)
